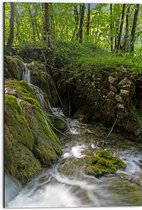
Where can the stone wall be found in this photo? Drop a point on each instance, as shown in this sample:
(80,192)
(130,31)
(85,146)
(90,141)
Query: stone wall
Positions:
(109,96)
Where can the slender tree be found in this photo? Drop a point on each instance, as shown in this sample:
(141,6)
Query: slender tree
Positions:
(32,23)
(126,41)
(47,24)
(117,23)
(80,32)
(121,27)
(76,17)
(111,28)
(88,21)
(135,20)
(11,34)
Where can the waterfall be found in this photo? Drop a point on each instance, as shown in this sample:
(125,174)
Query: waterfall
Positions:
(26,74)
(39,95)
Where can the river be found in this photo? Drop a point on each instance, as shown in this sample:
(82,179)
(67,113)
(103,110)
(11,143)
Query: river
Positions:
(65,184)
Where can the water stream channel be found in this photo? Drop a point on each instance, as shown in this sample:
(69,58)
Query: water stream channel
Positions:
(64,184)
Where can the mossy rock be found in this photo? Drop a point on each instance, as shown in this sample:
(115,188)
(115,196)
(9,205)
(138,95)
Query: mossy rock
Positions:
(16,124)
(58,123)
(104,154)
(21,163)
(27,125)
(19,141)
(13,67)
(103,163)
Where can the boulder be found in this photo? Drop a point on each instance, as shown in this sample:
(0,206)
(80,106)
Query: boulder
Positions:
(30,143)
(13,67)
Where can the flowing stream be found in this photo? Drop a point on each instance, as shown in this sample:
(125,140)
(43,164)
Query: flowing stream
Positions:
(64,184)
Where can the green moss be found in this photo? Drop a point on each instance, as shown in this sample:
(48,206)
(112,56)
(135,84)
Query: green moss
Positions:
(13,67)
(16,122)
(104,154)
(94,170)
(22,88)
(118,162)
(106,165)
(93,159)
(21,163)
(27,130)
(103,163)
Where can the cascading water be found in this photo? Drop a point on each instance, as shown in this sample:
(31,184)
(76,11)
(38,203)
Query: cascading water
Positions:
(75,189)
(26,74)
(66,185)
(39,95)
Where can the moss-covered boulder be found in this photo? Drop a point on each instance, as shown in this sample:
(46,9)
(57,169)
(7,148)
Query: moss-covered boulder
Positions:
(30,142)
(13,67)
(103,163)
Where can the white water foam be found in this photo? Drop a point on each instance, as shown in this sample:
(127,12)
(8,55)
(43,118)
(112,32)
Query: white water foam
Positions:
(132,161)
(52,195)
(75,151)
(73,126)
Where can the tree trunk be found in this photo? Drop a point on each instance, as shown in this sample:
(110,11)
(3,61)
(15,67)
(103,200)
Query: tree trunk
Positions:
(117,31)
(80,32)
(88,21)
(135,20)
(126,42)
(121,27)
(76,17)
(47,24)
(111,28)
(32,23)
(11,34)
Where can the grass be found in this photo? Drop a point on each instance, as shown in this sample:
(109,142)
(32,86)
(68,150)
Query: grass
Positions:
(85,57)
